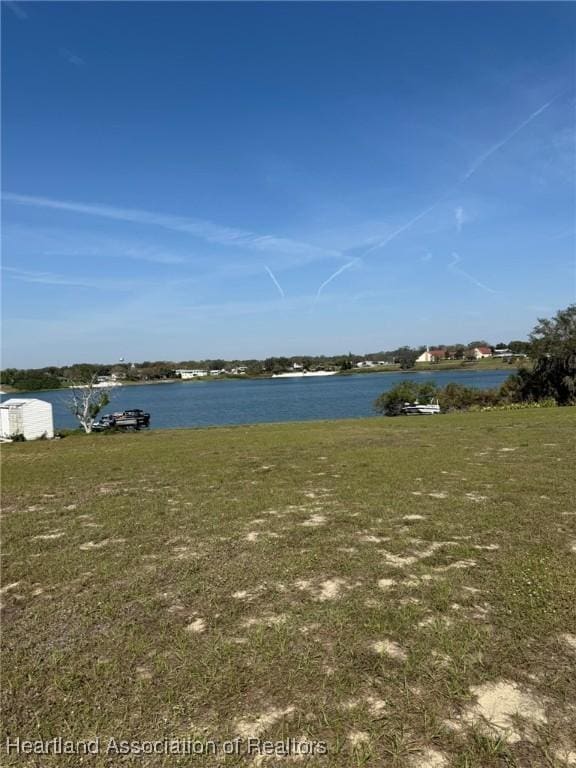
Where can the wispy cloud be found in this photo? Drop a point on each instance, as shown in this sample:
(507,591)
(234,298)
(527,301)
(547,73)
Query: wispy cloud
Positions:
(49,278)
(460,217)
(203,229)
(452,267)
(19,12)
(333,276)
(275,281)
(22,242)
(71,57)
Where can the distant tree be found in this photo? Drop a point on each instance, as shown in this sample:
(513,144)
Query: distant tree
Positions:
(457,351)
(406,357)
(519,347)
(85,401)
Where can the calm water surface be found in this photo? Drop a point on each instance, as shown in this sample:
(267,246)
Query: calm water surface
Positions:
(202,403)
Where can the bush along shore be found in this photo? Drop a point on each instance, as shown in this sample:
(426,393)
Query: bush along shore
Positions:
(550,382)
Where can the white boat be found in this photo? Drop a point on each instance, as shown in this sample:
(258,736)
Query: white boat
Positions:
(421,409)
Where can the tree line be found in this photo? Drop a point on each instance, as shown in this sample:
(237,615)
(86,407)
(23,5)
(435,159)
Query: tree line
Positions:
(56,377)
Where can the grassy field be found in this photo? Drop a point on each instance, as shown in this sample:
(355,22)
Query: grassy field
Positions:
(401,590)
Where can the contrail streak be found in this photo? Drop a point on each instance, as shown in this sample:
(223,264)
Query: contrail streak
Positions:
(343,268)
(475,166)
(489,152)
(406,226)
(276,283)
(453,268)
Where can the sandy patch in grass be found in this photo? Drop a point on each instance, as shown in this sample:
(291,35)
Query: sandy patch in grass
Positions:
(196,626)
(414,517)
(248,595)
(429,758)
(438,495)
(474,496)
(315,521)
(440,621)
(389,648)
(357,738)
(566,756)
(143,673)
(569,640)
(251,728)
(47,536)
(487,547)
(375,705)
(370,538)
(399,561)
(330,589)
(508,450)
(272,620)
(93,545)
(8,587)
(498,704)
(457,565)
(386,583)
(253,536)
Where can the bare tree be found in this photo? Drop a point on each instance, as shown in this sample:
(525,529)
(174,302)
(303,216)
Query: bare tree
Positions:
(86,401)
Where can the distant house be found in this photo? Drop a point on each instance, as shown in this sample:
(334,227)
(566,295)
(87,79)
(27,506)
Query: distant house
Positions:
(28,417)
(480,352)
(191,373)
(431,356)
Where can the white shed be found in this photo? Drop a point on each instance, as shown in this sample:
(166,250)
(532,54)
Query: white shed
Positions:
(26,416)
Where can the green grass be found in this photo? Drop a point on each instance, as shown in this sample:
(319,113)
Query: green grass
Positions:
(273,540)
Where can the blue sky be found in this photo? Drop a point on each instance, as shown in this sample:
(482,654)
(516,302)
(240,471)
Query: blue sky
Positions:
(235,180)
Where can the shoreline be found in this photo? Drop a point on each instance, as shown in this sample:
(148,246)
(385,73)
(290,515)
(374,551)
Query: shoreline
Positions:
(473,367)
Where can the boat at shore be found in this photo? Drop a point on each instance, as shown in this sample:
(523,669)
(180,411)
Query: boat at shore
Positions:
(421,409)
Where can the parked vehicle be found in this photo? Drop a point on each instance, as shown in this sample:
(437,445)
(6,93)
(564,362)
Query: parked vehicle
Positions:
(131,419)
(421,409)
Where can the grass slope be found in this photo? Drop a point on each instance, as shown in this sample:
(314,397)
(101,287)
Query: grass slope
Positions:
(385,586)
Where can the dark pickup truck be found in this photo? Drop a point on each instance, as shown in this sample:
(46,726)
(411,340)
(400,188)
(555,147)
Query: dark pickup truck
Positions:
(132,419)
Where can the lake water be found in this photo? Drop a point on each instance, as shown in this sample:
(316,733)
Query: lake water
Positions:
(207,403)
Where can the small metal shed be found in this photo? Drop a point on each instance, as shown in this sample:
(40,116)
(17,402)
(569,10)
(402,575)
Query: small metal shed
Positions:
(26,416)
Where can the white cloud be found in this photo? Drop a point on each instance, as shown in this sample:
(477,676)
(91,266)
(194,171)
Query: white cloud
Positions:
(71,57)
